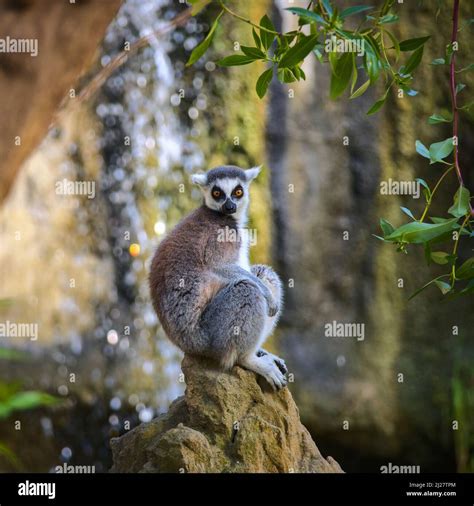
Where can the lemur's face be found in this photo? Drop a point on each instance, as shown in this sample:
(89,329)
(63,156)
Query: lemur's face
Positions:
(226,189)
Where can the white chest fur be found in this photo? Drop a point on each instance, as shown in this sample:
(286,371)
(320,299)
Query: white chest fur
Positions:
(244,249)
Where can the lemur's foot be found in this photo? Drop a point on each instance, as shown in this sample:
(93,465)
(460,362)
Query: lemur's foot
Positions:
(278,361)
(267,367)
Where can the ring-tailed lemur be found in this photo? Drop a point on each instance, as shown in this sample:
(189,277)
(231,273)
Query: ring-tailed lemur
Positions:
(207,297)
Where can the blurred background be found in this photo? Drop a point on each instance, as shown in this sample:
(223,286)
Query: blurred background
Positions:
(77,264)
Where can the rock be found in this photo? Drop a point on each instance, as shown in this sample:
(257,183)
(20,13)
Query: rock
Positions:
(225,422)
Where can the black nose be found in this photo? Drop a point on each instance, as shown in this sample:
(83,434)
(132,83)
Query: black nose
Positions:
(229,207)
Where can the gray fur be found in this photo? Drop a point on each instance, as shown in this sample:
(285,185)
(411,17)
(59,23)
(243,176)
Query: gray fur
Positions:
(207,297)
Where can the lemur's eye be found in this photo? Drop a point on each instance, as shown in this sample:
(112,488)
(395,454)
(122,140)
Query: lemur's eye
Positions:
(238,192)
(216,193)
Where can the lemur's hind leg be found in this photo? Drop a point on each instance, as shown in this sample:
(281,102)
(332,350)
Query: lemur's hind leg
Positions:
(270,366)
(234,321)
(268,276)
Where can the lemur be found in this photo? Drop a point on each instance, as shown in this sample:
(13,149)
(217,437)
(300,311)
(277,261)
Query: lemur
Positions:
(208,298)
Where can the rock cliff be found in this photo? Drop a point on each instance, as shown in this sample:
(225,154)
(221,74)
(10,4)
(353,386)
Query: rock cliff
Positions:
(225,422)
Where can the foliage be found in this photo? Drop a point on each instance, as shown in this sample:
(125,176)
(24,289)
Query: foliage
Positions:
(358,59)
(13,399)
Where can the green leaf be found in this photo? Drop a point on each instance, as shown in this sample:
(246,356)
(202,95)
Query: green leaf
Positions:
(371,60)
(388,18)
(361,90)
(341,75)
(466,69)
(198,6)
(460,87)
(263,82)
(425,186)
(469,288)
(461,202)
(286,76)
(438,61)
(426,286)
(236,59)
(443,286)
(12,354)
(327,6)
(201,48)
(395,43)
(413,61)
(377,105)
(266,37)
(440,150)
(412,44)
(417,233)
(351,11)
(253,52)
(31,399)
(407,212)
(299,51)
(307,14)
(466,271)
(9,456)
(256,38)
(421,149)
(437,118)
(386,226)
(440,257)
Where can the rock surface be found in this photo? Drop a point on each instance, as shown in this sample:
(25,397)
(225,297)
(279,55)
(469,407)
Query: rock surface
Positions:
(225,422)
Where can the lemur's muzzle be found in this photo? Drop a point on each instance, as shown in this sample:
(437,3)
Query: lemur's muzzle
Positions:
(229,207)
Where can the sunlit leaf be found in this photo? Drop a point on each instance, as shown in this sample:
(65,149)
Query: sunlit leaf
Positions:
(263,82)
(236,59)
(253,52)
(361,90)
(266,37)
(201,48)
(298,52)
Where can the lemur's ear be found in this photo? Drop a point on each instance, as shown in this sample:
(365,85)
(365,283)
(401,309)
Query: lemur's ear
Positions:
(199,179)
(252,173)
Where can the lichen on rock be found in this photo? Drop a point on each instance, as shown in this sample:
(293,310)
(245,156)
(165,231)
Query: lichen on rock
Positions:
(226,422)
